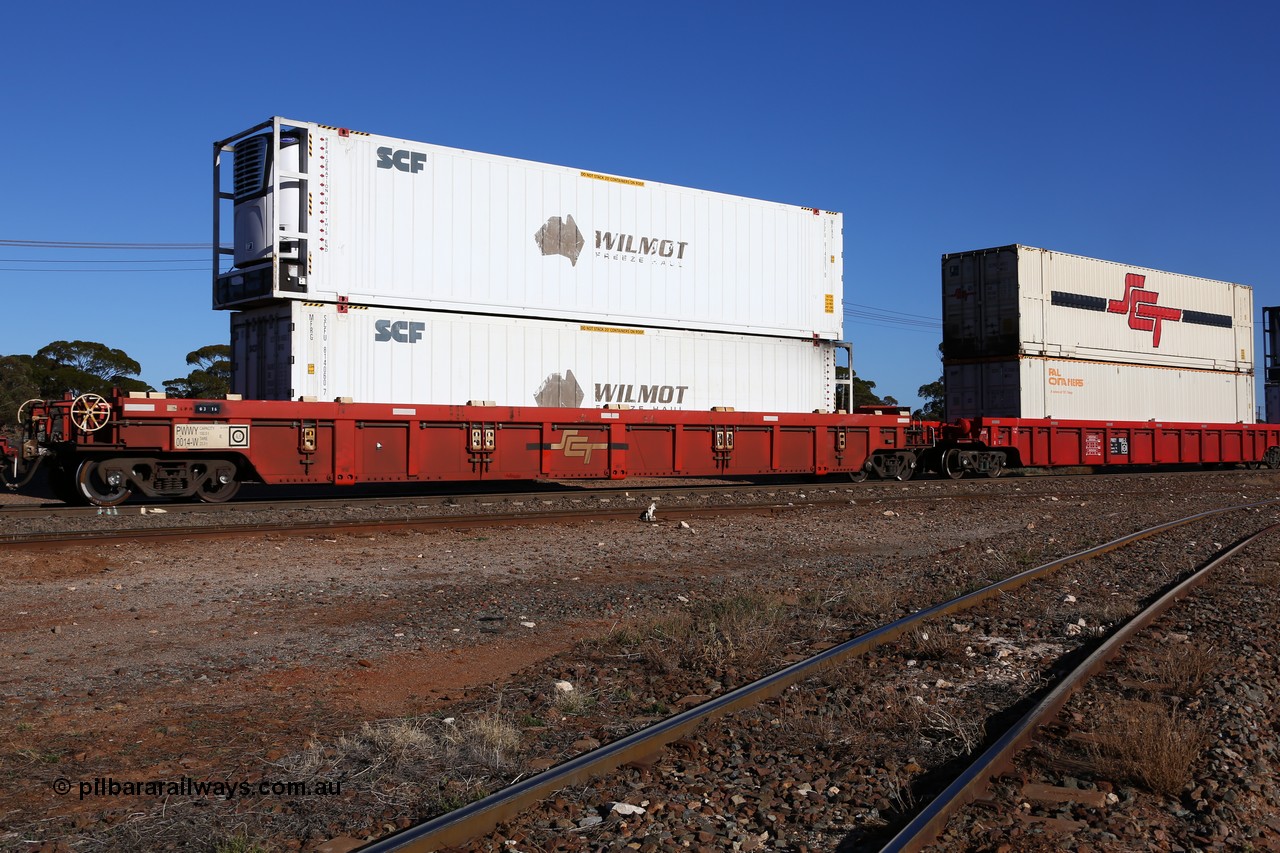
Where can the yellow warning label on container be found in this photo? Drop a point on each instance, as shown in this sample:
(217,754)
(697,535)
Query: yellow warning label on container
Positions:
(830,301)
(631,182)
(311,370)
(612,329)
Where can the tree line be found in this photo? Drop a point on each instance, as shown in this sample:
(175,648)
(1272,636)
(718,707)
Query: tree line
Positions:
(88,367)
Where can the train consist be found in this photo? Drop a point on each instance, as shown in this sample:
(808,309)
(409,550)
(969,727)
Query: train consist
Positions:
(404,312)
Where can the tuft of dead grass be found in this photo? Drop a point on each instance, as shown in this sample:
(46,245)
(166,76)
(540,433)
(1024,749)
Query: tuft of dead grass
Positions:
(1186,667)
(572,703)
(391,753)
(1148,743)
(933,642)
(743,631)
(876,597)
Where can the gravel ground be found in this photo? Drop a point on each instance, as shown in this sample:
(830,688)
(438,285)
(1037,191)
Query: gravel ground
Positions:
(278,658)
(1174,747)
(840,761)
(331,505)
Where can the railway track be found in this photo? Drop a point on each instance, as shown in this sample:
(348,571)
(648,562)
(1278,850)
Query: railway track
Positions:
(389,512)
(504,807)
(974,781)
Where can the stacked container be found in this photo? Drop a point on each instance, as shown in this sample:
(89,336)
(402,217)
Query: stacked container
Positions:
(509,266)
(1030,333)
(396,355)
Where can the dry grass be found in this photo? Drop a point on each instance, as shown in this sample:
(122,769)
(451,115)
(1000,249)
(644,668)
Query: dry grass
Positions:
(935,643)
(876,597)
(744,631)
(1150,744)
(1186,667)
(824,726)
(954,735)
(421,766)
(1102,610)
(895,710)
(417,761)
(572,703)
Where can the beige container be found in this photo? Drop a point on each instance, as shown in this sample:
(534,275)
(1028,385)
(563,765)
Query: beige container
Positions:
(1020,301)
(1097,391)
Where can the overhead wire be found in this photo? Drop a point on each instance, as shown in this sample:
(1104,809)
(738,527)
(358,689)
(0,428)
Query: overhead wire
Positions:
(101,271)
(869,315)
(103,261)
(67,244)
(66,264)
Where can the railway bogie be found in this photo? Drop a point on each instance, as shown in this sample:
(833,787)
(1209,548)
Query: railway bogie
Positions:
(112,480)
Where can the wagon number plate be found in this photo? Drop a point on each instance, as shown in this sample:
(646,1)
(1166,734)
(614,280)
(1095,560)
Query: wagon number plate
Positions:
(210,436)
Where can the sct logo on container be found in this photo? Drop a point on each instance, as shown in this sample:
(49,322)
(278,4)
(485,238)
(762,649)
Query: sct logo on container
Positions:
(1139,304)
(404,160)
(402,331)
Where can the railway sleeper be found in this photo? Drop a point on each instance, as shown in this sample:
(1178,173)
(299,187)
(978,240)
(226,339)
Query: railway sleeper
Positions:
(109,482)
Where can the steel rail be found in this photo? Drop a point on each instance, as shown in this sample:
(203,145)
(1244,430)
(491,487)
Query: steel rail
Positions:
(481,816)
(929,823)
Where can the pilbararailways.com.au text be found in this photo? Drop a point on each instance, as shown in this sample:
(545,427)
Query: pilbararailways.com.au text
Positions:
(186,786)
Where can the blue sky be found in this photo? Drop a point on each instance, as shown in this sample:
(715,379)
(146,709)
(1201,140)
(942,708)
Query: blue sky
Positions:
(1144,133)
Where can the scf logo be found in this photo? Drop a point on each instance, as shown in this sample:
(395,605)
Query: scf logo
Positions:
(405,161)
(401,330)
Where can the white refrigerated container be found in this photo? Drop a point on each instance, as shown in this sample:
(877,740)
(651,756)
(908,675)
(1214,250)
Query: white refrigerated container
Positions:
(392,355)
(317,213)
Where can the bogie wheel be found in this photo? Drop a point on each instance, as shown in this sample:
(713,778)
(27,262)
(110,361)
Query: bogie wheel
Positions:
(996,469)
(95,489)
(858,476)
(951,464)
(90,413)
(214,491)
(906,472)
